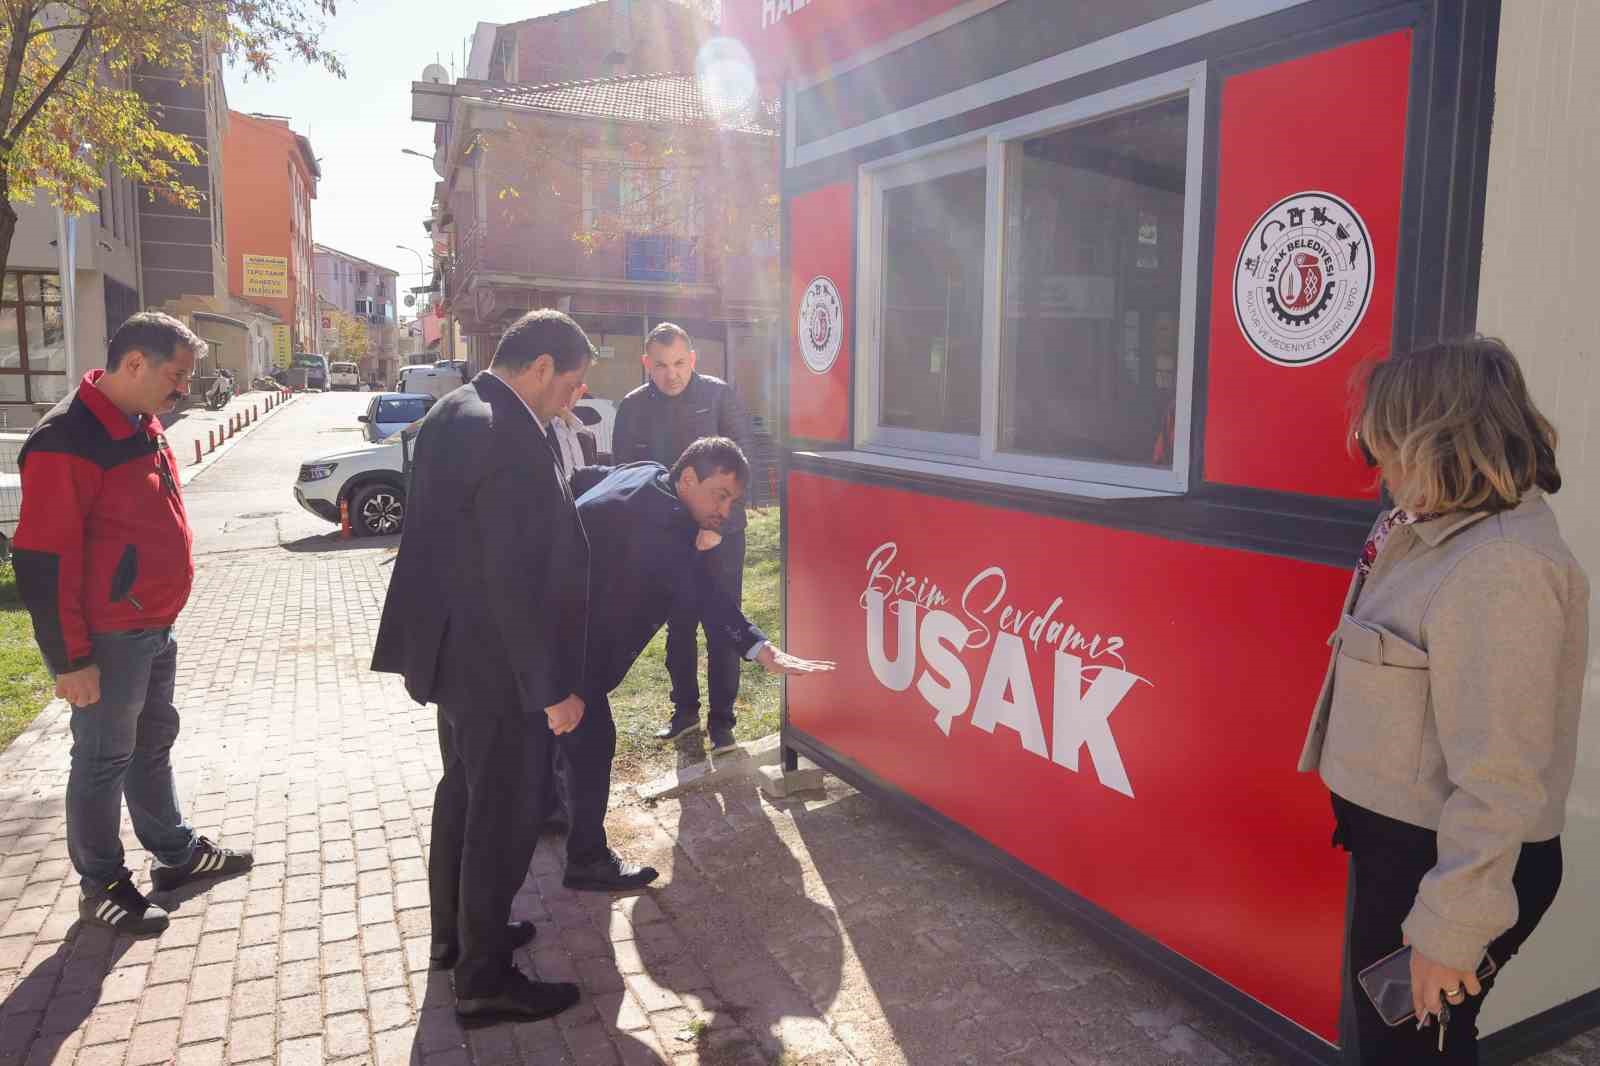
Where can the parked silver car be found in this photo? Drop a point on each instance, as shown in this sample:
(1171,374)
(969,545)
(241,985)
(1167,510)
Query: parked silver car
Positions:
(390,412)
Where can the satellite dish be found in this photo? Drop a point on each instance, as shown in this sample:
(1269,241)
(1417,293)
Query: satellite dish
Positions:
(411,300)
(435,73)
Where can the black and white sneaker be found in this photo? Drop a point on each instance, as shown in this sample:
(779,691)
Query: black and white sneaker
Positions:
(208,860)
(123,909)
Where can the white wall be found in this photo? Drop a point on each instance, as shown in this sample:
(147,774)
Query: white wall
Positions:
(1537,292)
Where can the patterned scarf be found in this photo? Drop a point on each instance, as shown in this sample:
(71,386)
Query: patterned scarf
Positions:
(1374,544)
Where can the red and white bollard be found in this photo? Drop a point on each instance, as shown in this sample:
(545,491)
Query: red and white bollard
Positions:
(344,518)
(211,440)
(197,449)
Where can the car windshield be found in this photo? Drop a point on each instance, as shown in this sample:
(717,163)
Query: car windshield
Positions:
(344,368)
(404,410)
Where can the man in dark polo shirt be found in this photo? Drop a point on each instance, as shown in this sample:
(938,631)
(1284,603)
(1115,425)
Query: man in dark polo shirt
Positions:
(656,422)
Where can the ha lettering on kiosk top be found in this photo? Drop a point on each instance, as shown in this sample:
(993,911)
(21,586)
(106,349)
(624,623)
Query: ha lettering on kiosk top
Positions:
(1074,304)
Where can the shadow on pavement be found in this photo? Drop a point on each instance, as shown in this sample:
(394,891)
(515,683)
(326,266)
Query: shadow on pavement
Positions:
(331,542)
(54,999)
(744,891)
(172,902)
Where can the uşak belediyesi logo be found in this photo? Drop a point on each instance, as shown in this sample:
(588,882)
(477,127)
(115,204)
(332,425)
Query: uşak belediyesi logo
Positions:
(820,324)
(1303,279)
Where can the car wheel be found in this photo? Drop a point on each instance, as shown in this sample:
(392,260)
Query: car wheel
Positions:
(378,510)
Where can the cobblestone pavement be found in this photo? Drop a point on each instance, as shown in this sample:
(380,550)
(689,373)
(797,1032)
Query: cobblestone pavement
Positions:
(824,931)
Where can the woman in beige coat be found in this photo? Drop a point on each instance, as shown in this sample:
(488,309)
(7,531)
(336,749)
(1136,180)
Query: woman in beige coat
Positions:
(1447,725)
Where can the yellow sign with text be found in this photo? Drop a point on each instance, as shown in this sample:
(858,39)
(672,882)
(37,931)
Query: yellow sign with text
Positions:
(266,275)
(282,350)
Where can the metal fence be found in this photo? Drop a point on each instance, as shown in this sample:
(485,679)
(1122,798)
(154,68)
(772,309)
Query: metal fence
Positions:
(10,483)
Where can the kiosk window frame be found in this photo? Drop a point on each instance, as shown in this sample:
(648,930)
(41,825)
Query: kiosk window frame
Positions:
(995,149)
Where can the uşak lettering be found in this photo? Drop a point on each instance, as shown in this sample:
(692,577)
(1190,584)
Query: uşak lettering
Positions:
(1083,693)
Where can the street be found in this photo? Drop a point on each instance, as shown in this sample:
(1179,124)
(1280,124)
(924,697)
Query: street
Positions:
(247,500)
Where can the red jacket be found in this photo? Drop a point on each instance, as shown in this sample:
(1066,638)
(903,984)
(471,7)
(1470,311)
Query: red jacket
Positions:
(103,545)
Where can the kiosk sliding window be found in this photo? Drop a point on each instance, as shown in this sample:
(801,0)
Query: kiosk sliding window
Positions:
(1029,292)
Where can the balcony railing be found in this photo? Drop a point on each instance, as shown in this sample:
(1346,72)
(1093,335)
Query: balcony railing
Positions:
(636,257)
(652,257)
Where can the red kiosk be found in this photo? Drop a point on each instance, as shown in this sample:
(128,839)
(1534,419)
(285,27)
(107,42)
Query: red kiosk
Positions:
(1075,291)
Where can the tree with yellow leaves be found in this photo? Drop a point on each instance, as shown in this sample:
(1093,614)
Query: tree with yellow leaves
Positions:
(68,113)
(347,339)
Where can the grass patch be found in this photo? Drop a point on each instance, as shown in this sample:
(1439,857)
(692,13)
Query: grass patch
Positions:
(25,685)
(642,704)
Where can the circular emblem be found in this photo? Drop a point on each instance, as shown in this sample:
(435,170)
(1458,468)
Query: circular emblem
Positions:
(1304,279)
(821,324)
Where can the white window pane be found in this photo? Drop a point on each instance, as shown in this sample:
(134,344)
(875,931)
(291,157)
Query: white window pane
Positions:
(48,388)
(1094,232)
(12,386)
(47,341)
(10,342)
(932,304)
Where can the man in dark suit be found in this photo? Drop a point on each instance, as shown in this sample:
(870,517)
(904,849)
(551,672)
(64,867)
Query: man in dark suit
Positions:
(656,422)
(485,617)
(651,533)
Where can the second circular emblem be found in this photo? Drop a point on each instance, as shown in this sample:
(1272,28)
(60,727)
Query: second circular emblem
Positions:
(1303,279)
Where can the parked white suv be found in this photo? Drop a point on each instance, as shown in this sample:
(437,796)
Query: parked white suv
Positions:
(371,477)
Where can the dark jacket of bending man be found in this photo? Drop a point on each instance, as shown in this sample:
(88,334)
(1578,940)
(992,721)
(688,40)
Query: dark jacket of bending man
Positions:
(650,531)
(485,617)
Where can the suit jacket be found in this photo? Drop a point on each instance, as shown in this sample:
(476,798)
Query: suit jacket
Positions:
(654,427)
(645,566)
(488,600)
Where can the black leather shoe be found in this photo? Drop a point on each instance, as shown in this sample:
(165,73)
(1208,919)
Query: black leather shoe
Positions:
(442,954)
(520,999)
(722,739)
(680,724)
(610,874)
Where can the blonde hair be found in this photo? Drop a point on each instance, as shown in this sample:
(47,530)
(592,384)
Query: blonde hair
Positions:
(1455,429)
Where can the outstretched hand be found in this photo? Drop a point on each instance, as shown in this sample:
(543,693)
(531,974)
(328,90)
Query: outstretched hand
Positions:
(774,660)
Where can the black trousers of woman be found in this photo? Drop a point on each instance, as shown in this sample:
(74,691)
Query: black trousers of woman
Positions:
(1389,860)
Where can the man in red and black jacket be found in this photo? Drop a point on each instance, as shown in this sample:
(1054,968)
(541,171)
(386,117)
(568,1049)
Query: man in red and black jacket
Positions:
(103,562)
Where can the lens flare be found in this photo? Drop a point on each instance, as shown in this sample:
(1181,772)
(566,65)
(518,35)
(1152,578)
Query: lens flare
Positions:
(726,76)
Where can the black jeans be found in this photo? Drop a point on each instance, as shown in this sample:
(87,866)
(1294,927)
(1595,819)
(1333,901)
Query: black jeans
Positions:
(587,752)
(722,658)
(1384,876)
(487,815)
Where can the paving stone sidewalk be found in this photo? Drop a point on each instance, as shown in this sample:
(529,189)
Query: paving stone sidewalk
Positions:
(812,932)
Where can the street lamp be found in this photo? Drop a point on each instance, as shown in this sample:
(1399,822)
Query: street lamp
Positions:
(422,270)
(419,155)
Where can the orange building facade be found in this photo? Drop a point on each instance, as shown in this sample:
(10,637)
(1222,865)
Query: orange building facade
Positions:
(269,180)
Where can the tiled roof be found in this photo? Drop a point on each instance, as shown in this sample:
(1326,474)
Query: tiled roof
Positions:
(647,98)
